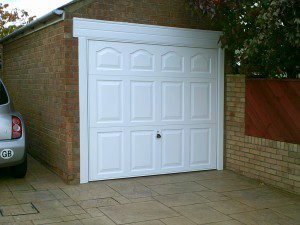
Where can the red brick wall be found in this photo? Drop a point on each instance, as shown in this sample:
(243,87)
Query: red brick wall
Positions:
(273,162)
(34,72)
(174,13)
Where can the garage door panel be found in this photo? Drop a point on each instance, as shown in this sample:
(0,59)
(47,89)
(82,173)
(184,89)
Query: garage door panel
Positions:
(142,101)
(172,148)
(107,152)
(201,100)
(106,58)
(142,60)
(172,101)
(202,62)
(172,62)
(109,101)
(200,146)
(142,150)
(109,59)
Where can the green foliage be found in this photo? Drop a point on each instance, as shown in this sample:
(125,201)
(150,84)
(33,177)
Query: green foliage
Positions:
(262,37)
(11,20)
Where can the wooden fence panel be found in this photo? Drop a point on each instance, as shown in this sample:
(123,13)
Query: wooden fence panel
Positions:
(273,109)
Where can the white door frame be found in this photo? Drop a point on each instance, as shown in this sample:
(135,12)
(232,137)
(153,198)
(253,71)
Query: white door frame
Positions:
(87,29)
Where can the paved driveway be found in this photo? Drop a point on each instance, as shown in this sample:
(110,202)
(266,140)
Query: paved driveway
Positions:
(212,197)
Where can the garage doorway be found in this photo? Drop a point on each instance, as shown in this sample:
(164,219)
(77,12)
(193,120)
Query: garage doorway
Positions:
(151,100)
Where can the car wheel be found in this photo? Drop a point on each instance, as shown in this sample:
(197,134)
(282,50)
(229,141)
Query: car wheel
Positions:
(19,171)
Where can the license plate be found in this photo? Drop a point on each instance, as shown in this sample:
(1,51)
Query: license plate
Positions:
(6,153)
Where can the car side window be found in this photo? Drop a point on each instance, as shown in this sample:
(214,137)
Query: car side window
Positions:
(3,95)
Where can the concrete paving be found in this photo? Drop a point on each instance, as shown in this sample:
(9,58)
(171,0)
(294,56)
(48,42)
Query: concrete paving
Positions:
(208,197)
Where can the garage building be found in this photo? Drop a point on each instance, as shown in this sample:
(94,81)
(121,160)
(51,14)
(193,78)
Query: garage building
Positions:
(115,89)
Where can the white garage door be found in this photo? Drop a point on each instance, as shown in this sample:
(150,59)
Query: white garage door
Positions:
(152,109)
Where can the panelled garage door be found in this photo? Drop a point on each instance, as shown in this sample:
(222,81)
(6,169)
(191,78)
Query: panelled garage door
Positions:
(152,109)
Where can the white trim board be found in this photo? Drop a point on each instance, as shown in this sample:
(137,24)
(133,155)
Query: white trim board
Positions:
(146,34)
(83,110)
(87,29)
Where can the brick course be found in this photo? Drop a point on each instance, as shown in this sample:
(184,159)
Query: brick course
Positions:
(272,162)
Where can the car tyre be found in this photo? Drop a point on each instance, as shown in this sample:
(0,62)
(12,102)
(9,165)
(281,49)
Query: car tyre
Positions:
(19,171)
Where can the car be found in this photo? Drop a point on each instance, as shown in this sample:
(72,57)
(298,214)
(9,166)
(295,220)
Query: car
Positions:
(12,136)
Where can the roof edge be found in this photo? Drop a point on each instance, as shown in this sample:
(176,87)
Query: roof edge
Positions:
(55,13)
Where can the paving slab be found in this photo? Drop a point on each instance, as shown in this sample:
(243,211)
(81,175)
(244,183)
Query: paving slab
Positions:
(19,209)
(230,206)
(177,221)
(138,212)
(227,184)
(94,203)
(177,188)
(264,217)
(261,198)
(292,211)
(156,180)
(131,189)
(153,222)
(79,193)
(97,221)
(212,195)
(33,196)
(7,198)
(94,212)
(180,199)
(76,209)
(201,213)
(228,222)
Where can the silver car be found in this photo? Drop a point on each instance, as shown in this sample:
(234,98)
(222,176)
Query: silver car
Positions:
(12,136)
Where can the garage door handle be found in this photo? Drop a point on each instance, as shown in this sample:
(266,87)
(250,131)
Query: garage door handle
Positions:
(158,136)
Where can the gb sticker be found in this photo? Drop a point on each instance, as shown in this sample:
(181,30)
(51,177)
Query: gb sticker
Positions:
(7,153)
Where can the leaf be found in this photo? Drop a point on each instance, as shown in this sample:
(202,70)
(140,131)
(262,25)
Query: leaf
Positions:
(11,20)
